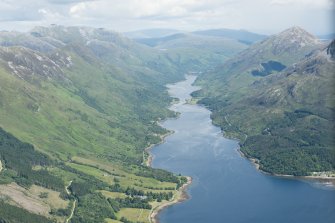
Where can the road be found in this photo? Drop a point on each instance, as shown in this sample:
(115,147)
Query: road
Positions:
(74,203)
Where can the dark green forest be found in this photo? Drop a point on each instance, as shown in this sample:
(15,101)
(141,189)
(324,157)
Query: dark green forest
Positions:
(18,158)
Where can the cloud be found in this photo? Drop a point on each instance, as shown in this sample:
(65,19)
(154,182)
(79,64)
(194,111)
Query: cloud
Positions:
(10,11)
(49,15)
(323,4)
(66,2)
(144,8)
(125,15)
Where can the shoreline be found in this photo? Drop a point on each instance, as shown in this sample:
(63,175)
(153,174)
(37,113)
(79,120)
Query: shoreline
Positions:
(255,162)
(148,161)
(180,196)
(322,179)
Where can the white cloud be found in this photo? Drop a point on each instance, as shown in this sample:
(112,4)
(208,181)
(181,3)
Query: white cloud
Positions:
(324,4)
(50,15)
(123,15)
(144,8)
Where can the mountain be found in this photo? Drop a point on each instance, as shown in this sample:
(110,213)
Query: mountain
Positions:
(240,35)
(195,52)
(150,33)
(153,42)
(199,50)
(261,59)
(283,117)
(79,105)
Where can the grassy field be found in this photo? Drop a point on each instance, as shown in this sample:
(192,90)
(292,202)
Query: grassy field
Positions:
(135,214)
(110,174)
(109,194)
(51,198)
(108,220)
(36,199)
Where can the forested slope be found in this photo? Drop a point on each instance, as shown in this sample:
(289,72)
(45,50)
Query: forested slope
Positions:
(284,118)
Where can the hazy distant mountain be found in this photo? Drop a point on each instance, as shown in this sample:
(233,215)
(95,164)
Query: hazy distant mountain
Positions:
(241,35)
(153,42)
(200,50)
(329,36)
(195,52)
(277,97)
(150,33)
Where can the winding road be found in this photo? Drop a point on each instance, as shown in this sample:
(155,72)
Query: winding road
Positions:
(74,203)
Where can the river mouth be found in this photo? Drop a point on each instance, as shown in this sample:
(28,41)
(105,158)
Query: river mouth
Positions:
(226,187)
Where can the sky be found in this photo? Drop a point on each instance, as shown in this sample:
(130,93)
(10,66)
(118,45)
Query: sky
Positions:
(262,16)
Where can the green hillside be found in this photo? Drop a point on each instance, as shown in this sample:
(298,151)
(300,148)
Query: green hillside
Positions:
(86,101)
(74,108)
(284,118)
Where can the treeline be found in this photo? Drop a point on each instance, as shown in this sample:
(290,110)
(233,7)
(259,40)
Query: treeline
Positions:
(19,158)
(158,174)
(13,214)
(129,202)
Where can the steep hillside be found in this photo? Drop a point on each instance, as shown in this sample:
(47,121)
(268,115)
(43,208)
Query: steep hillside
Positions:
(88,100)
(267,57)
(285,119)
(58,88)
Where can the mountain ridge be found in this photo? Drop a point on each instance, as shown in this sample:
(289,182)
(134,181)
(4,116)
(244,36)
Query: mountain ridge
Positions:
(269,56)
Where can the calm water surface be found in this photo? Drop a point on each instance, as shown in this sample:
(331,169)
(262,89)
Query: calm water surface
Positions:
(226,187)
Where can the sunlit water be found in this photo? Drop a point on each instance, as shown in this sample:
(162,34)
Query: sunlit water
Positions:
(226,187)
